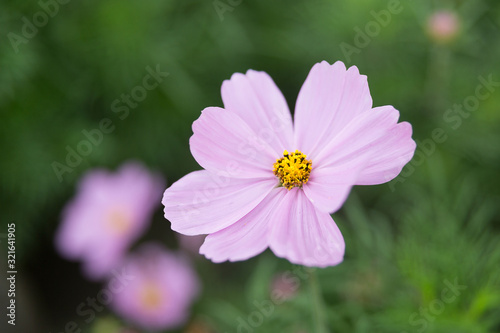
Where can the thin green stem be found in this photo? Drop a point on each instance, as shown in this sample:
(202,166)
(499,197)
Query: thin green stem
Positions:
(318,305)
(438,77)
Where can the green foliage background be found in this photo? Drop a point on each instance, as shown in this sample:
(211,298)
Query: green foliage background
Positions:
(437,222)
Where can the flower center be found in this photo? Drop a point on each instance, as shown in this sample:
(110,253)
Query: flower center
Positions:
(150,296)
(118,220)
(293,169)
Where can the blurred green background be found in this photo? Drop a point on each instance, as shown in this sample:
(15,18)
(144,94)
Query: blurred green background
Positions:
(437,223)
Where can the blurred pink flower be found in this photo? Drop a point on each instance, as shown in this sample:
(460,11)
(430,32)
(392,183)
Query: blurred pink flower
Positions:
(284,286)
(109,212)
(443,26)
(254,194)
(161,292)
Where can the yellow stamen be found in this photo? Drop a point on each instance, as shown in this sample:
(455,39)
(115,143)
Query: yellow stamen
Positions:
(293,169)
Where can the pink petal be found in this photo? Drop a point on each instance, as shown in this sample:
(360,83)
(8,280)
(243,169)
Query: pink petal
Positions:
(304,235)
(202,202)
(245,238)
(374,141)
(328,187)
(223,142)
(257,100)
(329,99)
(388,156)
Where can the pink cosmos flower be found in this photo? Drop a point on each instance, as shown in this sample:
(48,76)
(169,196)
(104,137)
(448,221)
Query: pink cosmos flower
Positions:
(271,182)
(161,292)
(110,211)
(283,287)
(443,26)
